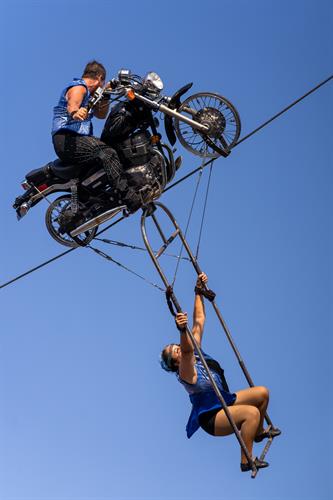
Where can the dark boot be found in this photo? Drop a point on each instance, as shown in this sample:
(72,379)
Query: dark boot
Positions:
(132,200)
(260,464)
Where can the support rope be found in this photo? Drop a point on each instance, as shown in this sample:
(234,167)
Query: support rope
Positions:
(111,259)
(188,220)
(55,258)
(204,211)
(134,247)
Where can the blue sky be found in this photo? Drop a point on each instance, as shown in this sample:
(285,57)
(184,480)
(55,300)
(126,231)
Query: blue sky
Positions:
(86,412)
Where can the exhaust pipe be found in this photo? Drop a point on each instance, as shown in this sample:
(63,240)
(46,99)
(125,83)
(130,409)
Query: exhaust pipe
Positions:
(96,221)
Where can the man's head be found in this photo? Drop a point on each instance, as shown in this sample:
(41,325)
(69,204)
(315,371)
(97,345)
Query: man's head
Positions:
(96,72)
(170,357)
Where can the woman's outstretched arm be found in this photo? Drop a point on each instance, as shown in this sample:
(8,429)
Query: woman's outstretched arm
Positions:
(199,315)
(187,369)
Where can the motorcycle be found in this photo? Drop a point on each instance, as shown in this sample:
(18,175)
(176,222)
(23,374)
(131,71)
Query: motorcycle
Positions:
(206,124)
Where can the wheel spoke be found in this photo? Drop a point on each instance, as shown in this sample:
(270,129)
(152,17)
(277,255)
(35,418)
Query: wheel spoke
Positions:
(215,111)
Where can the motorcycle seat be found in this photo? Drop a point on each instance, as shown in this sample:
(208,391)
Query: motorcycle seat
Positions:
(65,171)
(38,175)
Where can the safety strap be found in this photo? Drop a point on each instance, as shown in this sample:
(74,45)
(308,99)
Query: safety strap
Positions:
(168,294)
(208,294)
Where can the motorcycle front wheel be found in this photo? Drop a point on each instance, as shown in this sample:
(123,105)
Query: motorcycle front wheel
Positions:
(55,218)
(221,118)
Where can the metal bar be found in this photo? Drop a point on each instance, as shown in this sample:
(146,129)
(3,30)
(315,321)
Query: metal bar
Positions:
(237,353)
(165,246)
(182,118)
(217,311)
(193,340)
(263,454)
(267,447)
(50,189)
(159,228)
(173,113)
(219,315)
(224,143)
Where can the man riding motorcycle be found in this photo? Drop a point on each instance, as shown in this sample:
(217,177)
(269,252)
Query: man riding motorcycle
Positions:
(72,130)
(130,166)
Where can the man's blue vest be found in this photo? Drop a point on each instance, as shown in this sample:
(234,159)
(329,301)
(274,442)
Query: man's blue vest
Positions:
(62,120)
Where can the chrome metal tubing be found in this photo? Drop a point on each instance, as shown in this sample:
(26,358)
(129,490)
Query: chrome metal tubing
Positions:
(96,221)
(159,228)
(173,113)
(182,118)
(216,309)
(166,244)
(189,332)
(51,189)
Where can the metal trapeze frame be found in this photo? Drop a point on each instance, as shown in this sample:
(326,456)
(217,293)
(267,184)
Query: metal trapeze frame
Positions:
(150,211)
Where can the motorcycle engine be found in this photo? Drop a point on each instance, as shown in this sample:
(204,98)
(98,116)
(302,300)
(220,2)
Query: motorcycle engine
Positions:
(136,150)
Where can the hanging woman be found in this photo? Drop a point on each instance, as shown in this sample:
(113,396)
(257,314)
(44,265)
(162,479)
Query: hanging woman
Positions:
(247,407)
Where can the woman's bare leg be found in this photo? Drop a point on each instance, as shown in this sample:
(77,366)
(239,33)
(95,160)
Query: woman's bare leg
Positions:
(246,418)
(255,396)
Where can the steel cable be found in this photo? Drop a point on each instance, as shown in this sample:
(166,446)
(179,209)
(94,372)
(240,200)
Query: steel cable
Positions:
(54,258)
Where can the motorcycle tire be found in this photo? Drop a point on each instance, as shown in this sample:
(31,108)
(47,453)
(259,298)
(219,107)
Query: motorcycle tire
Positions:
(219,115)
(55,209)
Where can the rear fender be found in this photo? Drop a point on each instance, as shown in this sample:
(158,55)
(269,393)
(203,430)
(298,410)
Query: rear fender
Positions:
(40,176)
(55,188)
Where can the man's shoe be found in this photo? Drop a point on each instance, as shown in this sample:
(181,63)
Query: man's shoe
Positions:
(132,200)
(267,434)
(260,464)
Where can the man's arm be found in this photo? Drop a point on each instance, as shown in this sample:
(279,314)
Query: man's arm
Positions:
(102,108)
(75,97)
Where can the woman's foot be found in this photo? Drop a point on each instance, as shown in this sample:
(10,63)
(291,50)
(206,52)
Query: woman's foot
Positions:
(260,464)
(267,434)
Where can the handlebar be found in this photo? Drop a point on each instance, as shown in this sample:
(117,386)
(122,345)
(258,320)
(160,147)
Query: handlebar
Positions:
(121,86)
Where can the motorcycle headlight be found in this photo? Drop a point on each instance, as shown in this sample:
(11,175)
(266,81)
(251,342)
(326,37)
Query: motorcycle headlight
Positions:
(154,81)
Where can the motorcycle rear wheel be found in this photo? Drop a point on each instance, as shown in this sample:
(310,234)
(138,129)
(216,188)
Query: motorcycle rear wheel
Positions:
(219,115)
(54,211)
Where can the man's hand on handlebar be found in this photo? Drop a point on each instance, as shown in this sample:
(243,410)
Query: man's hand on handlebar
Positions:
(80,115)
